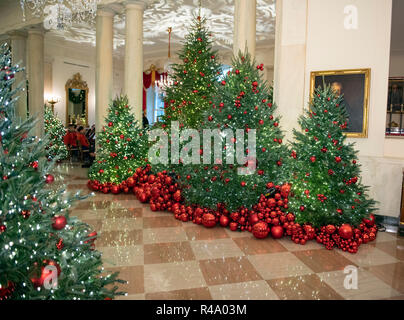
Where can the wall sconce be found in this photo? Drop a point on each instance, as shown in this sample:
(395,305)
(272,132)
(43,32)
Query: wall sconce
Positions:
(52,100)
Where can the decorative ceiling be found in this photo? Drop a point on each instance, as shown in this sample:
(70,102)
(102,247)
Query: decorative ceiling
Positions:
(161,14)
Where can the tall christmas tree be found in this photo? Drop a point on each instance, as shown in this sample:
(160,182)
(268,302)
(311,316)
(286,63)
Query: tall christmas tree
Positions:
(325,173)
(244,103)
(194,78)
(55,131)
(45,254)
(122,144)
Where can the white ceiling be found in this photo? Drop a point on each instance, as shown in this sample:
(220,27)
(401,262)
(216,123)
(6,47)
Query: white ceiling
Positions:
(161,14)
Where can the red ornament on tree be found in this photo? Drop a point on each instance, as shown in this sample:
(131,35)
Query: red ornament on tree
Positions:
(49,179)
(59,222)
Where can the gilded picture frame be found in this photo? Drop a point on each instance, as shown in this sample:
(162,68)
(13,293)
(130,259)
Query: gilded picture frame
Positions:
(354,85)
(76,82)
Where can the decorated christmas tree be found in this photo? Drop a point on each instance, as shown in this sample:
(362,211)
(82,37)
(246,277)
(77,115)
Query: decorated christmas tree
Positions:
(325,173)
(194,78)
(241,110)
(55,131)
(122,144)
(45,254)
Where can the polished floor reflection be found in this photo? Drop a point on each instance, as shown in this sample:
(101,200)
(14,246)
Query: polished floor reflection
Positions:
(163,258)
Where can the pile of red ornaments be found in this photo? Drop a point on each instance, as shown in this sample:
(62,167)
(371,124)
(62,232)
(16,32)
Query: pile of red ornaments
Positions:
(269,216)
(346,237)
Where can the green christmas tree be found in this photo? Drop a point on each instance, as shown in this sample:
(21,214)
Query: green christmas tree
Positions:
(244,103)
(55,131)
(38,238)
(194,78)
(325,173)
(122,144)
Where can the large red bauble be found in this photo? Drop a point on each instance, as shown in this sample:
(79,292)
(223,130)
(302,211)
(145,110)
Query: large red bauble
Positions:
(260,230)
(345,231)
(105,189)
(330,229)
(277,232)
(224,221)
(115,189)
(130,181)
(254,219)
(59,222)
(208,220)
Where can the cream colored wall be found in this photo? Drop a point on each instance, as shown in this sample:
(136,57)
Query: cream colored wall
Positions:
(327,45)
(67,58)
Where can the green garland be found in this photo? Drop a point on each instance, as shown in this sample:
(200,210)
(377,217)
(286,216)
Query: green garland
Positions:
(79,98)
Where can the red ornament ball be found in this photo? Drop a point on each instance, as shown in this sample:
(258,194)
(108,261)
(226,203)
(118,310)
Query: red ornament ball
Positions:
(277,232)
(345,231)
(260,230)
(49,179)
(233,226)
(115,189)
(208,220)
(330,229)
(224,221)
(59,222)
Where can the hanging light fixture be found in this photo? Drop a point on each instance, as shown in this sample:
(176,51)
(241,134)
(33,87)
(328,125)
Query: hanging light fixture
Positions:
(60,14)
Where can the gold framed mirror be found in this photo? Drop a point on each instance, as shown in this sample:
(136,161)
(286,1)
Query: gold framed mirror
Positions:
(76,101)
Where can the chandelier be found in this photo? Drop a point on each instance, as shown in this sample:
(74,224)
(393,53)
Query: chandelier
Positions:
(164,82)
(60,14)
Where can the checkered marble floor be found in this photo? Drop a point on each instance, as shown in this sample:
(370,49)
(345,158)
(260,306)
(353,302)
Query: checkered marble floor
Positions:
(163,258)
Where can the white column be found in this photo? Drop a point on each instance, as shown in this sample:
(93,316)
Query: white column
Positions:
(290,59)
(35,71)
(244,26)
(18,41)
(104,63)
(133,85)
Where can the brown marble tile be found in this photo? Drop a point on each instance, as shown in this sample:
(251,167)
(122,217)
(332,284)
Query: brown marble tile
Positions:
(369,255)
(161,222)
(323,260)
(124,213)
(185,294)
(119,238)
(304,287)
(252,246)
(164,235)
(392,274)
(168,252)
(134,275)
(93,205)
(228,270)
(77,187)
(394,248)
(202,233)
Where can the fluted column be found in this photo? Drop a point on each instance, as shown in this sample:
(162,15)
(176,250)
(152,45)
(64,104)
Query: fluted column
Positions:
(18,42)
(104,64)
(244,26)
(35,71)
(133,85)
